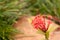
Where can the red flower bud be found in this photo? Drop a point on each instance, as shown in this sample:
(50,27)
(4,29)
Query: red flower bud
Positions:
(40,22)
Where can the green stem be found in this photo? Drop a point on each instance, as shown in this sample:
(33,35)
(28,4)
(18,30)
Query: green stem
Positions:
(46,38)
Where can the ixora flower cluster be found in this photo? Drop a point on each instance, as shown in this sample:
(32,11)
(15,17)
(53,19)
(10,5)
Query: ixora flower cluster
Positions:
(43,25)
(40,22)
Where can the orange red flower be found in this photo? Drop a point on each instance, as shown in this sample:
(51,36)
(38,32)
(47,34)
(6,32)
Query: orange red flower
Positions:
(40,22)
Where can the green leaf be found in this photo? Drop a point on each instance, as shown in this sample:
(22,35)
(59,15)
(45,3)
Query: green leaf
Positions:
(52,27)
(40,32)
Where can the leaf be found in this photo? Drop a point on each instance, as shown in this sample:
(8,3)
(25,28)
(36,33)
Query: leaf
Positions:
(30,20)
(52,27)
(40,32)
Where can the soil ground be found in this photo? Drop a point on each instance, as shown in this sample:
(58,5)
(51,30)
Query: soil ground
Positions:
(29,33)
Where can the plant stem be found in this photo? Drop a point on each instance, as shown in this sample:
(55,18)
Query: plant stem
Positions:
(46,38)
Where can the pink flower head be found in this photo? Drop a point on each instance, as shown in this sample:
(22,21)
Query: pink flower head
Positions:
(40,22)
